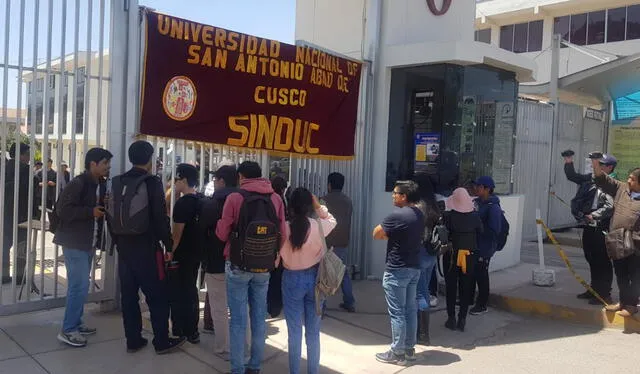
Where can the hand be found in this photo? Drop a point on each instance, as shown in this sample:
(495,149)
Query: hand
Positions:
(98,212)
(568,160)
(316,203)
(589,217)
(168,256)
(51,183)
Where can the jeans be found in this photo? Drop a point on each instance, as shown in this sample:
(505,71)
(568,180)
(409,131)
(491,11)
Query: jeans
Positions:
(481,278)
(217,298)
(347,289)
(400,291)
(298,296)
(427,263)
(628,276)
(246,288)
(78,264)
(595,252)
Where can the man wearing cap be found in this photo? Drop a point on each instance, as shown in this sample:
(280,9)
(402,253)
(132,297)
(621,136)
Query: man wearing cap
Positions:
(490,212)
(597,217)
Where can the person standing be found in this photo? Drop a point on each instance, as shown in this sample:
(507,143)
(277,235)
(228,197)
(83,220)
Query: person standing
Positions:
(341,207)
(51,179)
(595,216)
(185,305)
(623,239)
(64,177)
(464,225)
(490,212)
(80,208)
(301,253)
(248,285)
(140,257)
(403,230)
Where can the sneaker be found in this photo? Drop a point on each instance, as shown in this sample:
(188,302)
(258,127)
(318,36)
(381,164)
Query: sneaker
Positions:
(585,296)
(433,301)
(135,348)
(172,345)
(478,310)
(389,357)
(410,354)
(85,330)
(348,308)
(451,323)
(251,371)
(74,339)
(209,330)
(194,339)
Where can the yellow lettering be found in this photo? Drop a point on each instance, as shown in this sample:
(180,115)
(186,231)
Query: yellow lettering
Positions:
(299,73)
(252,64)
(258,94)
(252,45)
(195,31)
(206,57)
(194,53)
(284,69)
(240,64)
(186,31)
(233,41)
(300,53)
(164,24)
(299,138)
(274,68)
(263,62)
(275,49)
(207,35)
(307,57)
(221,58)
(266,131)
(239,128)
(293,98)
(221,36)
(312,127)
(279,145)
(252,133)
(282,94)
(272,95)
(343,83)
(314,58)
(263,51)
(177,29)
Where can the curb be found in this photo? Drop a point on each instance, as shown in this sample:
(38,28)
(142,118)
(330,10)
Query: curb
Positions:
(593,317)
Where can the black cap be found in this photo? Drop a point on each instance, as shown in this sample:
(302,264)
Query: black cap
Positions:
(24,148)
(140,152)
(188,172)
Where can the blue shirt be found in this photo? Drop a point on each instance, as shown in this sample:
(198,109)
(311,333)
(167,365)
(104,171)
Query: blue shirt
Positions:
(404,228)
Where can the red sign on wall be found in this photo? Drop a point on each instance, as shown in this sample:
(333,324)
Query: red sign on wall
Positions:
(446,4)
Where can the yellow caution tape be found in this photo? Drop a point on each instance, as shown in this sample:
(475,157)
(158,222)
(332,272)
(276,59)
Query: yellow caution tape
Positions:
(564,257)
(559,198)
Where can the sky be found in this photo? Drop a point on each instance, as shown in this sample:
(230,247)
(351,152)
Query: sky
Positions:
(273,19)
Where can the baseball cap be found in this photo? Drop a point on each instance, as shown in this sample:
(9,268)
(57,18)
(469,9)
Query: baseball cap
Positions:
(608,160)
(486,181)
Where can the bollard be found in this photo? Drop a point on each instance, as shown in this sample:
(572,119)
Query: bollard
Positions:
(542,277)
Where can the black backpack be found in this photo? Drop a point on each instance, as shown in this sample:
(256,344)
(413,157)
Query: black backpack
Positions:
(504,233)
(128,208)
(255,239)
(582,203)
(54,218)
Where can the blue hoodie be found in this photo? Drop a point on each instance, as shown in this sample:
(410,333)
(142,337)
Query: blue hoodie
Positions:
(491,215)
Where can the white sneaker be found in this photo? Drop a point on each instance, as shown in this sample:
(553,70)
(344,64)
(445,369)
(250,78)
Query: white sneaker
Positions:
(433,301)
(74,339)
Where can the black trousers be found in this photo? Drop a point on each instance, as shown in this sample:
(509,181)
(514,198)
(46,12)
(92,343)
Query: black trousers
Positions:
(184,301)
(143,269)
(481,279)
(433,284)
(595,251)
(628,277)
(457,281)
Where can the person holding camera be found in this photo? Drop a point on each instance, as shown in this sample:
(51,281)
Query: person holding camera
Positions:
(593,209)
(623,239)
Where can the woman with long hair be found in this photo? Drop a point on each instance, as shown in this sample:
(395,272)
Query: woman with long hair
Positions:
(303,249)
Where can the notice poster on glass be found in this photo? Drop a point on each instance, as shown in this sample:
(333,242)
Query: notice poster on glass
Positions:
(426,150)
(503,145)
(624,142)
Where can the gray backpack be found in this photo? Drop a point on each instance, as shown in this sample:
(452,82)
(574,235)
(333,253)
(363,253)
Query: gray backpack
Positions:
(128,207)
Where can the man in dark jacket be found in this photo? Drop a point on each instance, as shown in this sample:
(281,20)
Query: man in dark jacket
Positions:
(597,217)
(341,208)
(490,212)
(80,208)
(23,182)
(50,182)
(140,262)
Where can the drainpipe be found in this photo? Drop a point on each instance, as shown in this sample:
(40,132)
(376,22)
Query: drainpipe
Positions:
(553,96)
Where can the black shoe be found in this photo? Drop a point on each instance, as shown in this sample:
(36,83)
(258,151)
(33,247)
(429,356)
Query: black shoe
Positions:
(135,348)
(194,338)
(585,296)
(348,308)
(172,345)
(251,371)
(478,310)
(451,323)
(462,322)
(389,357)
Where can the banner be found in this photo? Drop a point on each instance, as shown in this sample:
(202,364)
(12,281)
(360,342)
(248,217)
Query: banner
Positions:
(207,84)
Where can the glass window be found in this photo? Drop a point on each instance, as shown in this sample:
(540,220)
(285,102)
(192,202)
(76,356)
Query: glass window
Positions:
(616,24)
(506,37)
(80,78)
(65,109)
(595,31)
(79,120)
(40,84)
(29,87)
(52,81)
(561,26)
(633,22)
(578,29)
(483,36)
(520,37)
(535,36)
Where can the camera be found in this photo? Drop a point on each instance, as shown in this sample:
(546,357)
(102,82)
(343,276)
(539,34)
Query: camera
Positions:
(595,155)
(568,153)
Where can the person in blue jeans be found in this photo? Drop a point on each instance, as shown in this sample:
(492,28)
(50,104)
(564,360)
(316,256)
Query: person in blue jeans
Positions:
(80,209)
(301,253)
(341,208)
(243,287)
(403,229)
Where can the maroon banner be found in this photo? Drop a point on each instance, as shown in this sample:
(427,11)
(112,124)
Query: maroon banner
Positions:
(207,84)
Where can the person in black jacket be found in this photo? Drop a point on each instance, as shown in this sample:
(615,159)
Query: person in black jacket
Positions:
(596,218)
(464,225)
(80,209)
(141,263)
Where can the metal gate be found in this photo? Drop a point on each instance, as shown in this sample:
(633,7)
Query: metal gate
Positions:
(69,76)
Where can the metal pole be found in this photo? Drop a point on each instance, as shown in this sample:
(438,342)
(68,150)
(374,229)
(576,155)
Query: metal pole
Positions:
(5,97)
(87,81)
(100,77)
(74,107)
(540,244)
(553,97)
